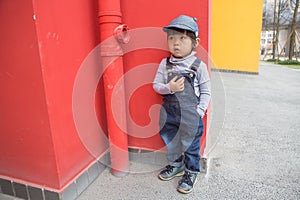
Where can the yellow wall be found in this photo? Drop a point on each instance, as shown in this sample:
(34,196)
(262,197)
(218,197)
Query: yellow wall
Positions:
(235,38)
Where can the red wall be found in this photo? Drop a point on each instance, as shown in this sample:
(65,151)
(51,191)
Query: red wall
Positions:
(25,139)
(154,14)
(43,45)
(39,62)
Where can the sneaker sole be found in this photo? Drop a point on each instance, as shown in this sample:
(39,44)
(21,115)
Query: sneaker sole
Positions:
(186,191)
(167,179)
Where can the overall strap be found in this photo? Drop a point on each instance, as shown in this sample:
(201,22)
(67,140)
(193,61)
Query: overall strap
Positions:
(195,65)
(169,65)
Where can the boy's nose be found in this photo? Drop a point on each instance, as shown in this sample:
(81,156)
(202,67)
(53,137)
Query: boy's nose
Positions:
(176,41)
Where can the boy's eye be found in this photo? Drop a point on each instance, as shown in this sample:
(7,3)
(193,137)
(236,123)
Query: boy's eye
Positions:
(182,37)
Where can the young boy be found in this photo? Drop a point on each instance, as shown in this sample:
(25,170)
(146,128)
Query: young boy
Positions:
(183,81)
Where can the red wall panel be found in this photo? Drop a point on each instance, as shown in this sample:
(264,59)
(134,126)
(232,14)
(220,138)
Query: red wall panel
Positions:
(25,140)
(152,16)
(43,44)
(67,31)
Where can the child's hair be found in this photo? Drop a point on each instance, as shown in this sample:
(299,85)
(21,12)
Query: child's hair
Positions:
(190,34)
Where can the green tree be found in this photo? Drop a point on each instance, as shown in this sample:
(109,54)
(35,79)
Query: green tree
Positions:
(293,31)
(276,25)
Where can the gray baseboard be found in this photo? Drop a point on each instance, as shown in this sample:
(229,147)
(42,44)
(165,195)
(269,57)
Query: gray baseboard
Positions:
(81,183)
(233,71)
(73,190)
(157,158)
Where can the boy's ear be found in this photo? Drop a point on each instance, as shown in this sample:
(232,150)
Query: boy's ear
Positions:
(197,42)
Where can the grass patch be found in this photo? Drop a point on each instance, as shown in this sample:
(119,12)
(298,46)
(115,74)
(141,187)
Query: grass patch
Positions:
(271,60)
(290,63)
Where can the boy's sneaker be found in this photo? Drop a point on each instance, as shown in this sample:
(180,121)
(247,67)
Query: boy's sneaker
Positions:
(170,172)
(186,184)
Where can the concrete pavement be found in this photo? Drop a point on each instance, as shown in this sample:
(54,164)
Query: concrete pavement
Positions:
(257,155)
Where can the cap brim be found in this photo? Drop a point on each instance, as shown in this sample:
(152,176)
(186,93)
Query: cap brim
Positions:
(165,29)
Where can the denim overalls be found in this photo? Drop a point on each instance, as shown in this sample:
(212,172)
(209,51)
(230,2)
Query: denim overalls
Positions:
(180,124)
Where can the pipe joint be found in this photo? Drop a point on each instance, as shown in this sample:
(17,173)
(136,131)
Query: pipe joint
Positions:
(110,17)
(121,34)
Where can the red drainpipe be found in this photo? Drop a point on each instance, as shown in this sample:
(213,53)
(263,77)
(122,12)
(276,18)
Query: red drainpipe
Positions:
(110,20)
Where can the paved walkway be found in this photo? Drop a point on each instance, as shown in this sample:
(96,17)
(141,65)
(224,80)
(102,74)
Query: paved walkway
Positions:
(257,155)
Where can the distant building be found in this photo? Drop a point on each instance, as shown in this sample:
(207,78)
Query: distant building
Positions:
(266,42)
(285,21)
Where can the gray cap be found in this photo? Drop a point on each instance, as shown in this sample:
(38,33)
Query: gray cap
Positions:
(184,22)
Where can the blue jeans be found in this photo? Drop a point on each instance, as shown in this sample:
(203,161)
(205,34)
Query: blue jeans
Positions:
(181,128)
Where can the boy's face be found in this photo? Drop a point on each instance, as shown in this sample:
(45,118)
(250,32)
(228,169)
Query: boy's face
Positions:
(180,45)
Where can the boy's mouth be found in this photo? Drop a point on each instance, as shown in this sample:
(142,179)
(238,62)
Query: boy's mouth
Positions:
(176,50)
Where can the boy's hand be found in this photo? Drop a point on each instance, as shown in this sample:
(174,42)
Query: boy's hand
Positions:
(177,85)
